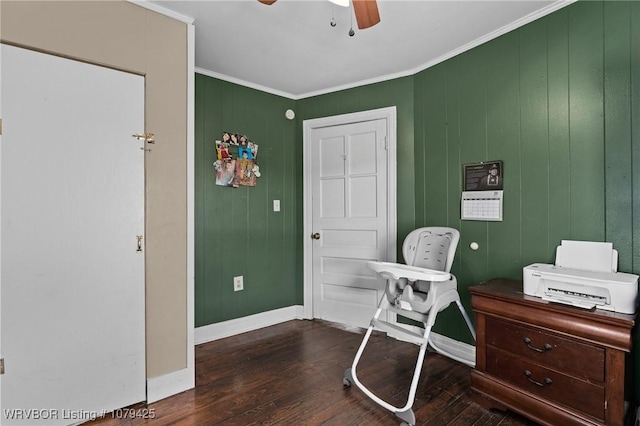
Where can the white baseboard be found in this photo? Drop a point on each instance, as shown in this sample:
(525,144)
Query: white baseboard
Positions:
(459,349)
(179,381)
(209,333)
(464,351)
(170,384)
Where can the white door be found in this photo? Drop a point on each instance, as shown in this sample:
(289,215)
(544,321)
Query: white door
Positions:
(72,205)
(350,226)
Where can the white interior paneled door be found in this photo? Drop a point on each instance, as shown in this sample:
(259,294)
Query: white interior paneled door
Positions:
(72,206)
(349,218)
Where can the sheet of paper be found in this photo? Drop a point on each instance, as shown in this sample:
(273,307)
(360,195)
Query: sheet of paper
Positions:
(481,205)
(587,255)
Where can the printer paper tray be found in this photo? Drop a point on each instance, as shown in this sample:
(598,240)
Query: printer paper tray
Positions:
(567,299)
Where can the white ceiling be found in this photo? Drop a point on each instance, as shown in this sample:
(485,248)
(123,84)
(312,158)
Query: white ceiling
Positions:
(290,48)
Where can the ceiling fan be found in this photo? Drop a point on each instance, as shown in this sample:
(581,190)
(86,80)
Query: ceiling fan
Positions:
(366,11)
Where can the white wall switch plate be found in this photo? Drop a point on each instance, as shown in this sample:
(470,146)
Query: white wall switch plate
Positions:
(238,283)
(276,205)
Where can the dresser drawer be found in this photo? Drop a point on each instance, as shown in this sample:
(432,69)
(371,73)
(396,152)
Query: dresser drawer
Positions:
(545,383)
(564,355)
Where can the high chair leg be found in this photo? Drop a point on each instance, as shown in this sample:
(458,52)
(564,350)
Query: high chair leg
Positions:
(405,413)
(441,304)
(466,318)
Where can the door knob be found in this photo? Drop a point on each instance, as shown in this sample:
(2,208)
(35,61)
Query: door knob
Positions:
(315,236)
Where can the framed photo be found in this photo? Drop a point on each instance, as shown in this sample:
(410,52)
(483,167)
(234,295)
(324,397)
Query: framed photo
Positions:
(483,176)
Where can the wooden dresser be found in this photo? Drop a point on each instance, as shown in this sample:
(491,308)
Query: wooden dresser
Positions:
(555,364)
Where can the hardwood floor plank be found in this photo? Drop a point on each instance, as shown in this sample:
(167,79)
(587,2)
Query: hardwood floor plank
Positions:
(291,374)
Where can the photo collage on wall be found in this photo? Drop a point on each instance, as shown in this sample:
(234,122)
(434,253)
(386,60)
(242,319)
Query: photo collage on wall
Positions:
(236,164)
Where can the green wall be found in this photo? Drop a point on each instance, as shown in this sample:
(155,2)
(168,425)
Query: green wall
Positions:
(554,100)
(236,230)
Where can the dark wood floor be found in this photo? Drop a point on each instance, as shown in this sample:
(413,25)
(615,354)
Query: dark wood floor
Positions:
(291,374)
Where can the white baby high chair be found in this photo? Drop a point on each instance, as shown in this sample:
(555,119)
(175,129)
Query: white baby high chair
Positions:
(418,290)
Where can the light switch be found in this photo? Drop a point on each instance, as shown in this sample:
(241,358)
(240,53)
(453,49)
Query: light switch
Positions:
(276,205)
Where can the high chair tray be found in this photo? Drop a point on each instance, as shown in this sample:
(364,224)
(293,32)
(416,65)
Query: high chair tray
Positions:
(413,273)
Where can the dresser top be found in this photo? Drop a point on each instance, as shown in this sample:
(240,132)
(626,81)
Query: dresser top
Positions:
(511,291)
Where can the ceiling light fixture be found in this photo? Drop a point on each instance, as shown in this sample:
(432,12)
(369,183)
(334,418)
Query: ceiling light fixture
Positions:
(333,17)
(366,11)
(351,32)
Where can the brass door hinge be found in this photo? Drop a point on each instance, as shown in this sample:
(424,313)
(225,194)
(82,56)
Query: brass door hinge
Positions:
(0,126)
(1,365)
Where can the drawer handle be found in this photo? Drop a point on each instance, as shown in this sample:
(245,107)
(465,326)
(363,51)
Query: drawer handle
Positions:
(547,347)
(547,381)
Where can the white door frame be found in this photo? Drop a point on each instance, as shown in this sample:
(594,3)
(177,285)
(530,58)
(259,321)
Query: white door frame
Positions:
(173,383)
(308,126)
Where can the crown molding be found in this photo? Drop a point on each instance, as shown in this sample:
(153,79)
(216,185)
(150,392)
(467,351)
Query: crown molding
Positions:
(475,43)
(246,83)
(495,34)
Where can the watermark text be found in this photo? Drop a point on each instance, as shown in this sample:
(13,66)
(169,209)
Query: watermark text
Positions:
(51,414)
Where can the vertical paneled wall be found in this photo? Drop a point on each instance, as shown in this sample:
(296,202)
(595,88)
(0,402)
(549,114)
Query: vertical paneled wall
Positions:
(556,100)
(237,232)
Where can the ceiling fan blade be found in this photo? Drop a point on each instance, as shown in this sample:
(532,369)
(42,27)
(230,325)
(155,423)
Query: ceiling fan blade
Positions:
(267,2)
(367,14)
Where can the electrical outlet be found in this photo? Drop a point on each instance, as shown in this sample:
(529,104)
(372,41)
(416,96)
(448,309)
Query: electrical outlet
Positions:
(238,283)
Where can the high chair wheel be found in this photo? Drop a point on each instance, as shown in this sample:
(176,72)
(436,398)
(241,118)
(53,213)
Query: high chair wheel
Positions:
(346,382)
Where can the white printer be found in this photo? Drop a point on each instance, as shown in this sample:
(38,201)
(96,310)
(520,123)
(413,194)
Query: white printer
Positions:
(584,275)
